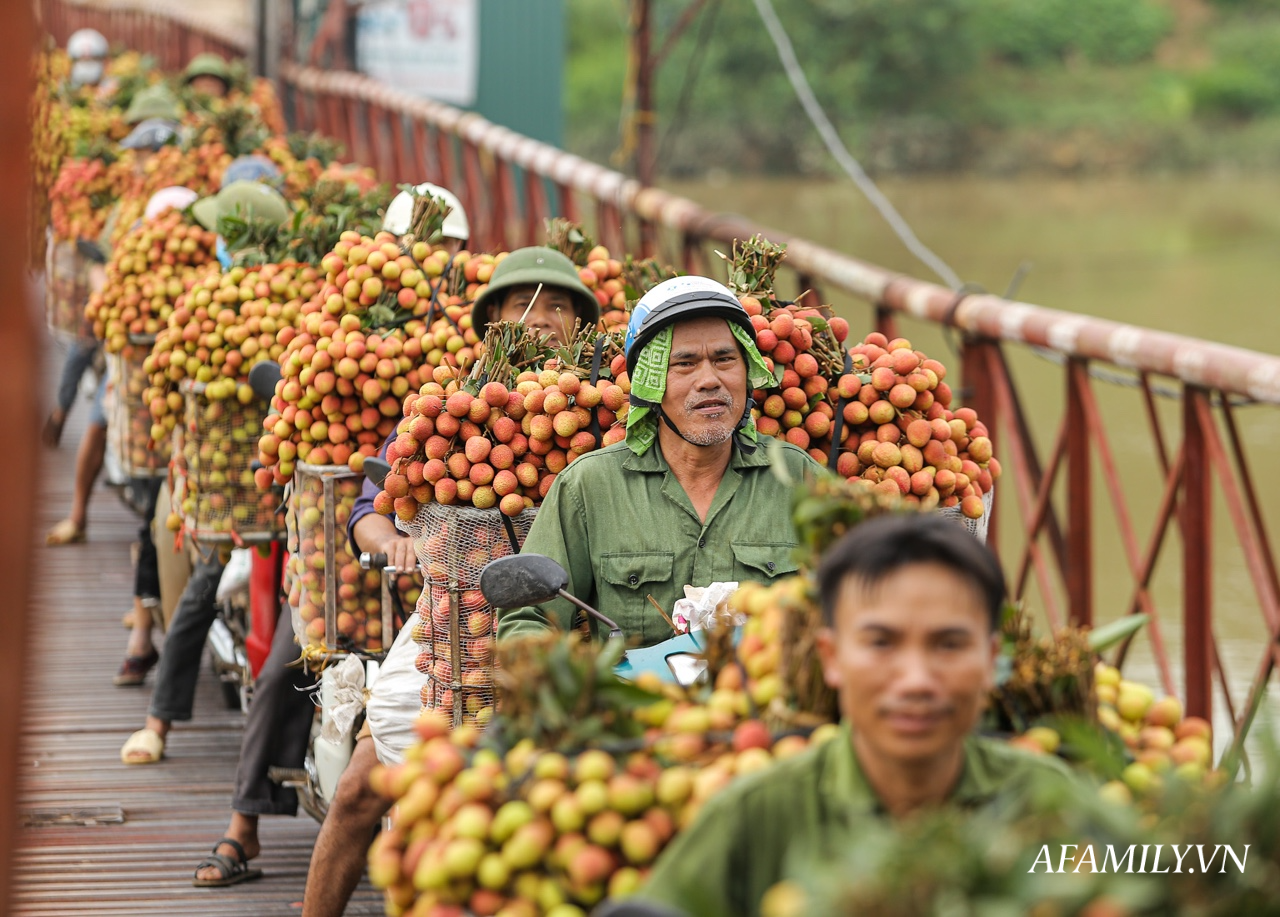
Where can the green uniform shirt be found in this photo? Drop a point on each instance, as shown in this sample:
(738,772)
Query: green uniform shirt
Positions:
(804,810)
(623,528)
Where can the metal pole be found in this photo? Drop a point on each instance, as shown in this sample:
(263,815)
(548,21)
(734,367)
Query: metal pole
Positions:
(1197,579)
(1079,568)
(20,354)
(643,114)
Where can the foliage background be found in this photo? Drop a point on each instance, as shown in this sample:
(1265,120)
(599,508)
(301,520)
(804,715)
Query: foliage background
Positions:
(994,86)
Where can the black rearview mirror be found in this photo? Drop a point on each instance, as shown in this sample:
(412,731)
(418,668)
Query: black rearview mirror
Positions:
(522,579)
(376,470)
(91,251)
(263,378)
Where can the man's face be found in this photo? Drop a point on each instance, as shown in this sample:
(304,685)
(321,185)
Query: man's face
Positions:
(209,86)
(552,311)
(706,381)
(912,659)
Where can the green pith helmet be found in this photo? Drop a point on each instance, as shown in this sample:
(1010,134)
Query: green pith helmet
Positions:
(153,102)
(249,199)
(207,65)
(530,267)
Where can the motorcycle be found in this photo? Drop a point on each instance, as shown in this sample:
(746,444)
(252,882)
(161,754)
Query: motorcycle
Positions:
(532,579)
(316,781)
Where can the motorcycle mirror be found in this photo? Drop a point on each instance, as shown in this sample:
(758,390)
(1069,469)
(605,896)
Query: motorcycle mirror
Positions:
(521,579)
(376,470)
(91,250)
(263,378)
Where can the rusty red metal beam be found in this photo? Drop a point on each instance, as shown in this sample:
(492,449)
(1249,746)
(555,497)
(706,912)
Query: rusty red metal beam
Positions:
(21,357)
(1197,572)
(1128,539)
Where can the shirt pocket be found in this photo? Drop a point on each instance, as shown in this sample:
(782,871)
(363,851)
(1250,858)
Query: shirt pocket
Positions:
(633,570)
(764,560)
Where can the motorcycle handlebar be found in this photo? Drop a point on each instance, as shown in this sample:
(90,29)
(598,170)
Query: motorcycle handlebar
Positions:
(372,561)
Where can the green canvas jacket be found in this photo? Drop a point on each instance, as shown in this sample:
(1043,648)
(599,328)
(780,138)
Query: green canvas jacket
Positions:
(769,827)
(624,529)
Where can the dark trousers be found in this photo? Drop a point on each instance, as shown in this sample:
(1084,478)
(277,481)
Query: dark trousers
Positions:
(79,358)
(179,667)
(146,576)
(277,729)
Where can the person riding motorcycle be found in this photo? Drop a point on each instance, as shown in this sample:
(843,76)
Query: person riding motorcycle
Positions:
(174,692)
(279,720)
(690,497)
(207,76)
(88,51)
(339,858)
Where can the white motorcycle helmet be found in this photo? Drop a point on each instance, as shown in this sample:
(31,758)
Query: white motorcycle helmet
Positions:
(88,50)
(174,197)
(400,212)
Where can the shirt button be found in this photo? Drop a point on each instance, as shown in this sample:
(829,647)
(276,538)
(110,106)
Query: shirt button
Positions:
(769,566)
(702,542)
(633,579)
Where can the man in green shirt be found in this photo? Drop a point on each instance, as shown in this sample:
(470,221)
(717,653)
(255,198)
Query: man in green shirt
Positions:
(912,604)
(689,498)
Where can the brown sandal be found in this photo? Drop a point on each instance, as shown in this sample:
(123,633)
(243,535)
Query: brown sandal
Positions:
(134,669)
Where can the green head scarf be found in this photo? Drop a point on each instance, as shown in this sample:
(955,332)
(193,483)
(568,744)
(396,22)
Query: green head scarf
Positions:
(649,384)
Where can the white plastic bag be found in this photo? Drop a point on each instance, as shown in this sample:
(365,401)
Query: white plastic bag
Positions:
(396,699)
(702,605)
(345,682)
(235,576)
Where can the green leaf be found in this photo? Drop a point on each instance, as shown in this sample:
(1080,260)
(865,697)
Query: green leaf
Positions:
(1108,635)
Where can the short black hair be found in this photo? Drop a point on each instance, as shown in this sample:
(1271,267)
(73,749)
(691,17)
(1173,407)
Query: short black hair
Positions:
(876,548)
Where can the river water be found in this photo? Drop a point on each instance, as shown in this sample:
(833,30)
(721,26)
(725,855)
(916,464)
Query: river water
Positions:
(1196,255)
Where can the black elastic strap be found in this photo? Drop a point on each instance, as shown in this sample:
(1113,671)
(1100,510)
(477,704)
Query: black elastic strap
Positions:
(838,423)
(511,533)
(595,375)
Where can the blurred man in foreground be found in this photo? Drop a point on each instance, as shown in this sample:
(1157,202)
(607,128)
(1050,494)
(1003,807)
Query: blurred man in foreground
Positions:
(912,607)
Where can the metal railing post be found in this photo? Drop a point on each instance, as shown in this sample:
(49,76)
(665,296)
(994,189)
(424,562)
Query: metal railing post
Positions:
(1197,572)
(1079,568)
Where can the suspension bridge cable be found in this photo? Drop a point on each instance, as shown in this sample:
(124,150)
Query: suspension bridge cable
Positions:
(800,83)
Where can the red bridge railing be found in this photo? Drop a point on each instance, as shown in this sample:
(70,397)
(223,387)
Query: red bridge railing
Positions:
(510,184)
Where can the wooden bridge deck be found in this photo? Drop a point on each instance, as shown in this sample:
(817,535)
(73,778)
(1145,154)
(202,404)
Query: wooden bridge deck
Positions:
(71,738)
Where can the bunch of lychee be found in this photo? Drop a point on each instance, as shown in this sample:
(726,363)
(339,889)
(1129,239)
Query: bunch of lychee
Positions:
(536,832)
(81,197)
(357,592)
(130,421)
(499,446)
(149,269)
(340,395)
(66,289)
(219,328)
(215,491)
(1163,743)
(904,438)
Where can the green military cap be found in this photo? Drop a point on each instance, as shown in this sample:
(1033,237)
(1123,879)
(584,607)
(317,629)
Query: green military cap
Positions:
(153,102)
(247,199)
(207,64)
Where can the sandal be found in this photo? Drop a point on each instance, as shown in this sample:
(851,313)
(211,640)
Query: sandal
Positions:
(230,872)
(65,532)
(143,747)
(134,669)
